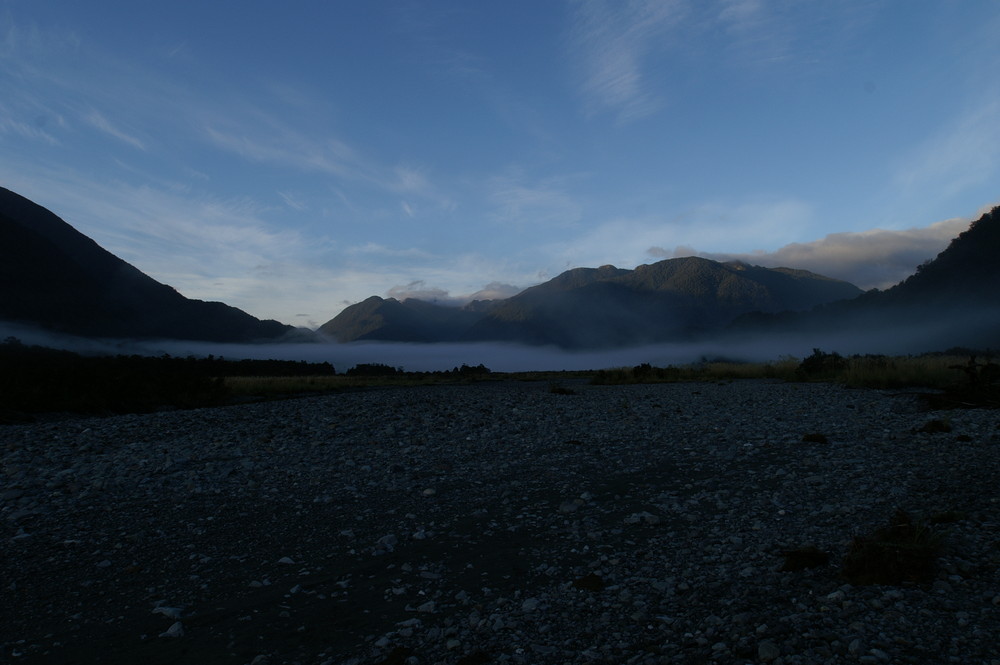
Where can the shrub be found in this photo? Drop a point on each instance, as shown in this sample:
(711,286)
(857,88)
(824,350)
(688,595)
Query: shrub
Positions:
(903,551)
(373,369)
(821,365)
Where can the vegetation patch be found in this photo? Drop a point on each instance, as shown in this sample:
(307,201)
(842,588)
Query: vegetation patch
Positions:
(705,370)
(904,551)
(808,556)
(821,365)
(34,379)
(935,426)
(590,582)
(979,389)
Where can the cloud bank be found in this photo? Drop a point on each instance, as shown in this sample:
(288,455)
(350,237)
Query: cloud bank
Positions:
(878,258)
(421,291)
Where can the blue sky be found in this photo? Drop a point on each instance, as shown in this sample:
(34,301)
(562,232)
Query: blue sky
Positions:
(293,158)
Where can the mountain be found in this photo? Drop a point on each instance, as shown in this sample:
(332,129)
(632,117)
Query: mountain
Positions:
(952,300)
(54,277)
(675,299)
(966,273)
(411,320)
(671,300)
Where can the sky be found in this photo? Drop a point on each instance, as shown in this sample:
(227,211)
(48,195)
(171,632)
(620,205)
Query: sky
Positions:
(293,158)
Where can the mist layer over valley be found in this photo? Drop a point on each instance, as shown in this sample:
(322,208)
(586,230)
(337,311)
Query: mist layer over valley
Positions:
(64,291)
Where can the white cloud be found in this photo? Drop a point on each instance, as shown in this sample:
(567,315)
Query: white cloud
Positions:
(756,32)
(262,137)
(420,290)
(877,258)
(374,248)
(789,33)
(961,155)
(293,202)
(206,247)
(284,147)
(495,291)
(625,241)
(98,120)
(411,179)
(546,203)
(611,41)
(8,125)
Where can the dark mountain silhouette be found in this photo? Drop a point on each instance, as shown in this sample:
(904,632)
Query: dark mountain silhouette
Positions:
(54,277)
(952,300)
(410,320)
(676,299)
(967,272)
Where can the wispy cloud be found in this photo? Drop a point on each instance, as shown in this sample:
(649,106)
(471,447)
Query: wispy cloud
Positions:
(260,136)
(755,29)
(293,202)
(420,290)
(625,241)
(765,33)
(9,124)
(611,41)
(206,247)
(373,248)
(962,154)
(98,120)
(282,146)
(545,203)
(877,258)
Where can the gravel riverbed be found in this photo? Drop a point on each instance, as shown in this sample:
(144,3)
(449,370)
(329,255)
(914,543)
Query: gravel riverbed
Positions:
(497,522)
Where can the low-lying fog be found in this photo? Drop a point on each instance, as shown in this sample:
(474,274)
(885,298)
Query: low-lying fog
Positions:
(503,357)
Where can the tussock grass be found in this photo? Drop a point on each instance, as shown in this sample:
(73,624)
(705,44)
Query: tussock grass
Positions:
(723,370)
(902,372)
(276,385)
(271,386)
(932,371)
(904,551)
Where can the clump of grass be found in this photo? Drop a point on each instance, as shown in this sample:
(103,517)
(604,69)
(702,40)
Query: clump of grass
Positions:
(936,371)
(947,517)
(980,388)
(557,389)
(892,372)
(821,366)
(590,582)
(815,437)
(904,551)
(715,370)
(275,386)
(935,426)
(807,556)
(282,385)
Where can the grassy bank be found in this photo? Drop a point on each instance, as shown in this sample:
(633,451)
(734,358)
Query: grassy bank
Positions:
(952,379)
(39,380)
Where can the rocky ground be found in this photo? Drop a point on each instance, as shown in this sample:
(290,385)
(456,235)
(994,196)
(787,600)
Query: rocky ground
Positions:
(499,523)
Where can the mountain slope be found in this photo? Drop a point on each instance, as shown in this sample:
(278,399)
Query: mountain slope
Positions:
(953,300)
(411,320)
(674,299)
(967,271)
(53,276)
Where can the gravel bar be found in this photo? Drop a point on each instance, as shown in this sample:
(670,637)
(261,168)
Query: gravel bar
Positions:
(498,522)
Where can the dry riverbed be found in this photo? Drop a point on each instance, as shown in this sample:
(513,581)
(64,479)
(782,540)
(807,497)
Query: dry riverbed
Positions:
(498,523)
